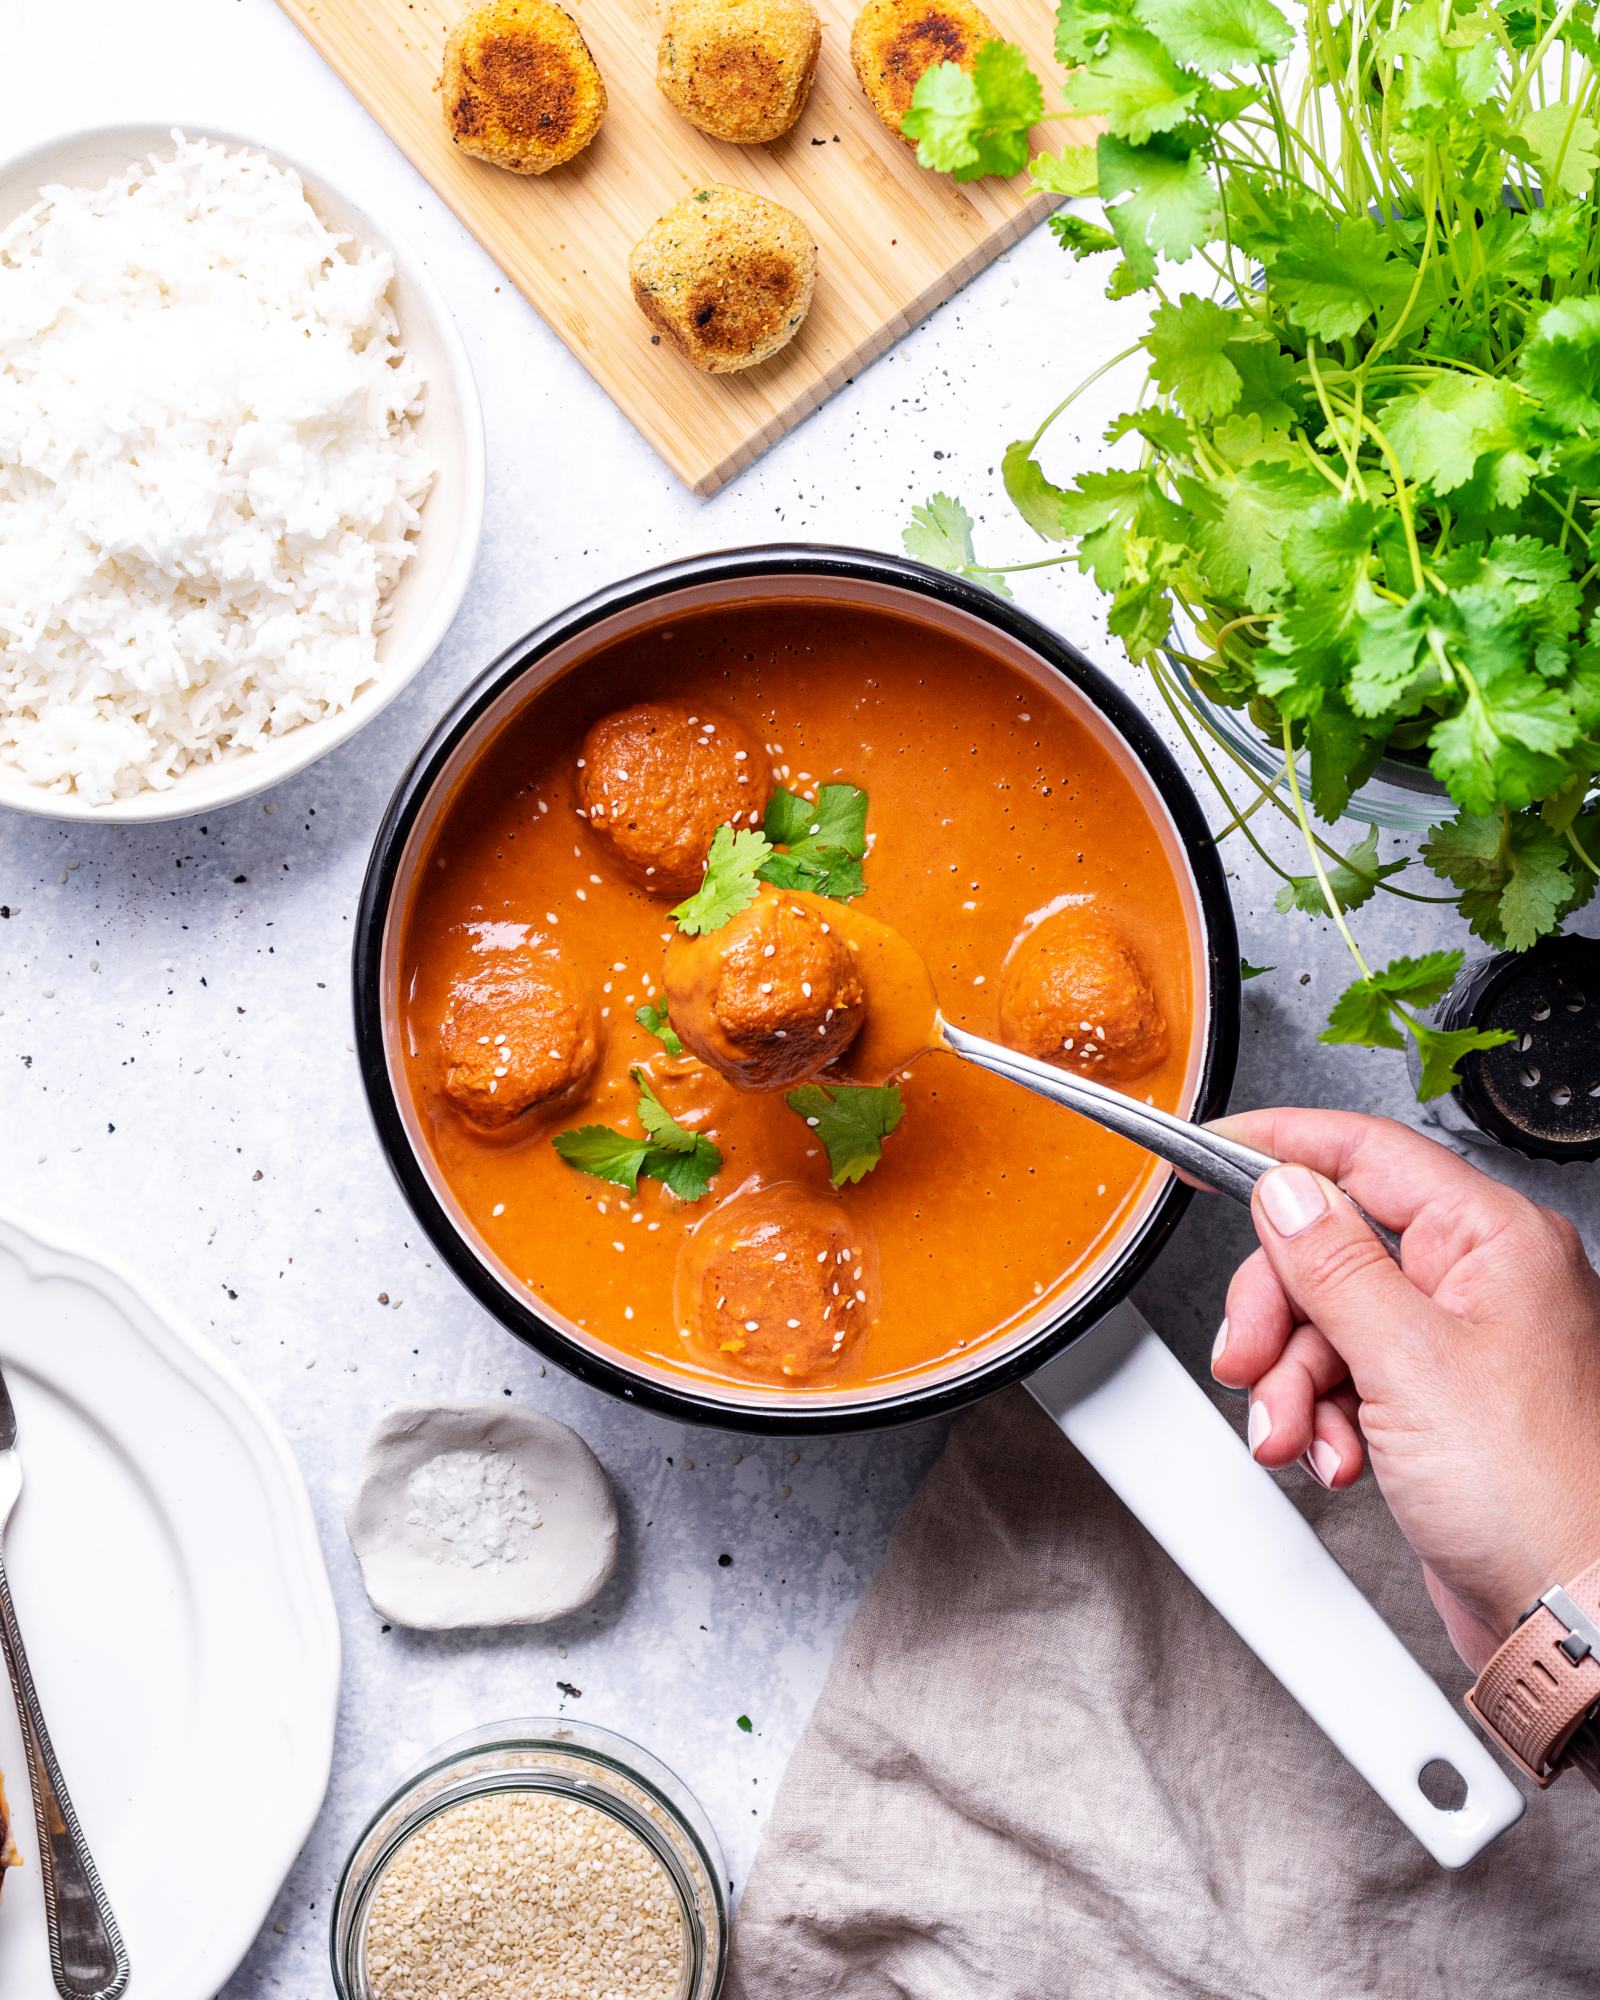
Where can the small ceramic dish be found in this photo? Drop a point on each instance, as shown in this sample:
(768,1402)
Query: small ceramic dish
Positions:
(434,580)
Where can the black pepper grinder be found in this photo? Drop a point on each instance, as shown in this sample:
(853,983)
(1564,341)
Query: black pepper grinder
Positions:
(1539,1093)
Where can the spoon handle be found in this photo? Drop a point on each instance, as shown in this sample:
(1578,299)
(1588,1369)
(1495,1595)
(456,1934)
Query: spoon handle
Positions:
(1216,1162)
(87,1958)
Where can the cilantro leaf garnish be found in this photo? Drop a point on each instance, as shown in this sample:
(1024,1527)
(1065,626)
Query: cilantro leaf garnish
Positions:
(1249,971)
(608,1155)
(825,841)
(657,1120)
(852,1120)
(687,1175)
(729,883)
(684,1162)
(940,533)
(971,124)
(654,1022)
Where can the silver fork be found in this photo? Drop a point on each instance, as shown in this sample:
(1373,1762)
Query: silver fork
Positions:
(87,1957)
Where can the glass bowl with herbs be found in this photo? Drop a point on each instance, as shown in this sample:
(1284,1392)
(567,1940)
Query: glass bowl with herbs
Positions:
(1352,528)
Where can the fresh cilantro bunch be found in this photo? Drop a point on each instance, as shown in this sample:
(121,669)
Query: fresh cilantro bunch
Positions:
(1363,469)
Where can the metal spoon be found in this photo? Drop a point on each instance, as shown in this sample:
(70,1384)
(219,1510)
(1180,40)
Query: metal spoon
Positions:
(1216,1162)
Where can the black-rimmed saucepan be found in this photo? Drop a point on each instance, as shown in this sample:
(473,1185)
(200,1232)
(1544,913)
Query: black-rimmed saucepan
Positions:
(1090,1360)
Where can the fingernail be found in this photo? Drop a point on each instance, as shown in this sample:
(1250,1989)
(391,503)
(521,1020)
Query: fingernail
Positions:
(1293,1199)
(1323,1463)
(1260,1427)
(1219,1346)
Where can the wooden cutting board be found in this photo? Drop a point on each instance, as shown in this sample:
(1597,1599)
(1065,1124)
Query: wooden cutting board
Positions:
(893,241)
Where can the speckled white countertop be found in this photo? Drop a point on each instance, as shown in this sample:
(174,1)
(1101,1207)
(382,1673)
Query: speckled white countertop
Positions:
(176,1075)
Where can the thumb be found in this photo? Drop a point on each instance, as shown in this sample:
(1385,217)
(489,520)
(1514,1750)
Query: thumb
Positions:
(1336,1273)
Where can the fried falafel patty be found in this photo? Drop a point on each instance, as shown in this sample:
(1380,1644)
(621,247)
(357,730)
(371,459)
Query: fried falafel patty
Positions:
(520,88)
(894,41)
(768,999)
(779,1280)
(656,781)
(739,69)
(1074,993)
(726,276)
(519,1033)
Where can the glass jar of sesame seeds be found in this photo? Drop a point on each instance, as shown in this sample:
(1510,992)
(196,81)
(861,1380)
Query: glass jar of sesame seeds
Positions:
(541,1859)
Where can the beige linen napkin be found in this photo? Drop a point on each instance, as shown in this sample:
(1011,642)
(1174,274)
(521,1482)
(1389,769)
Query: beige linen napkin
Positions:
(1042,1766)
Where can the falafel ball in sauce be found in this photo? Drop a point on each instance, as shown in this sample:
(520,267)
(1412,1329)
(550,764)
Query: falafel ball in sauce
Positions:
(519,86)
(725,277)
(518,1032)
(1075,994)
(655,781)
(740,70)
(779,1282)
(895,41)
(771,997)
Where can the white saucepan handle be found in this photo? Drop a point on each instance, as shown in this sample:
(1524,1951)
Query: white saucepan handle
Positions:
(1131,1408)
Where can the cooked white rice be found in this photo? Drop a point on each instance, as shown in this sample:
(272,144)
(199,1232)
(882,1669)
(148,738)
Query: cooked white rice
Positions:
(208,470)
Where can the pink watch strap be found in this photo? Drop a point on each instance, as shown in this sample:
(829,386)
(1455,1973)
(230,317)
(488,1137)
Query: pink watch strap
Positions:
(1542,1683)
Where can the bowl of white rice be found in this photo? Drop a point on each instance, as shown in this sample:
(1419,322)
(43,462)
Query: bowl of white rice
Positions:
(241,472)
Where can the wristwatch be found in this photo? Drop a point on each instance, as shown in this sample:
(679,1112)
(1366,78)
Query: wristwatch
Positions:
(1539,1696)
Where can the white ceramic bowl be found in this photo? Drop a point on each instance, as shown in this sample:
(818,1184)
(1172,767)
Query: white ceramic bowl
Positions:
(434,579)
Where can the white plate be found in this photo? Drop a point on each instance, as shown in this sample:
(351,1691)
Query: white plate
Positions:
(434,580)
(171,1589)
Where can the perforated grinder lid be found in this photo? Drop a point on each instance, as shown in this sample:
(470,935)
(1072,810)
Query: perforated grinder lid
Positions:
(1541,1092)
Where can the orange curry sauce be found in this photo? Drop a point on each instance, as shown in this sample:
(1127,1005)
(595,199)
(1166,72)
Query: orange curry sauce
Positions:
(989,802)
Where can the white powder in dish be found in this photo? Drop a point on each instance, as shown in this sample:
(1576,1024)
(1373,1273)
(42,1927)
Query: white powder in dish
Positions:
(477,1505)
(208,470)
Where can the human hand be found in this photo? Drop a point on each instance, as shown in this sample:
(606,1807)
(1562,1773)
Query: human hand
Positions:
(1469,1373)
